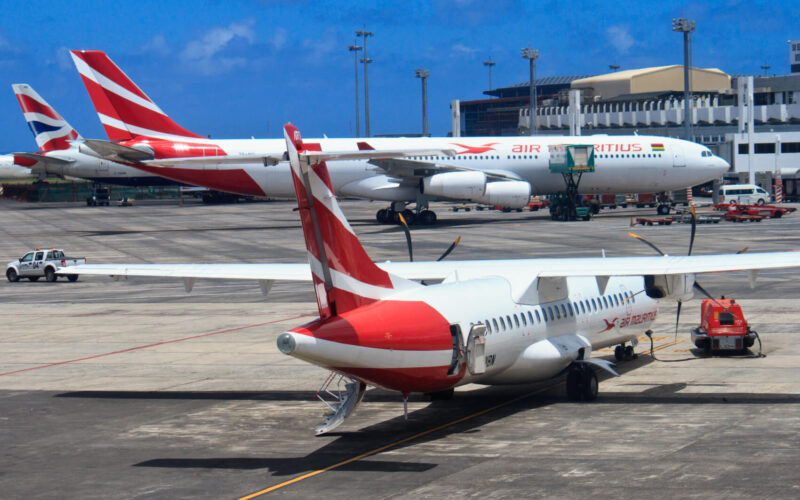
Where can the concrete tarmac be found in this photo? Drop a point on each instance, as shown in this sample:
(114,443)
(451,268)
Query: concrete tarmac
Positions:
(134,389)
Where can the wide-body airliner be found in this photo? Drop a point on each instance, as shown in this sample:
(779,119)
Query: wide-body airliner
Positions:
(493,170)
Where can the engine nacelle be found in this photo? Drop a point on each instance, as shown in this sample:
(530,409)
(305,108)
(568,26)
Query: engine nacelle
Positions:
(456,185)
(678,287)
(507,194)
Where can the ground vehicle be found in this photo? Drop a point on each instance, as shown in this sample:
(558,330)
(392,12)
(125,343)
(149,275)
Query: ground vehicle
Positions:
(745,194)
(41,262)
(100,196)
(722,327)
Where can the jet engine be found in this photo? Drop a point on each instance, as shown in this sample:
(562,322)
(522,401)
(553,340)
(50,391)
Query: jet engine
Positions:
(455,185)
(508,194)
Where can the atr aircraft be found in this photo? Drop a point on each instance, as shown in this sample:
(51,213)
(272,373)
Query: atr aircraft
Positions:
(493,170)
(63,152)
(486,322)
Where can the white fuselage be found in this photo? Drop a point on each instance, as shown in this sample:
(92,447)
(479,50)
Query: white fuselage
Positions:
(623,164)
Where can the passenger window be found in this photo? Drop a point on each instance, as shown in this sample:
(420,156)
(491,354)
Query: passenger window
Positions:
(530,317)
(516,321)
(563,311)
(583,309)
(594,305)
(605,302)
(502,324)
(494,322)
(524,321)
(508,321)
(569,309)
(538,319)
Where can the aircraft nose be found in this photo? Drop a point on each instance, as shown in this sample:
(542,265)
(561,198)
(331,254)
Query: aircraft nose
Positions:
(720,166)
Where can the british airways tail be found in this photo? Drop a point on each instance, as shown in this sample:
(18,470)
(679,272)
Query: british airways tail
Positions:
(344,276)
(124,110)
(50,130)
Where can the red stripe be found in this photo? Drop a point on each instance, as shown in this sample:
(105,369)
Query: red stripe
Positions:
(24,162)
(133,114)
(57,143)
(31,105)
(230,181)
(102,64)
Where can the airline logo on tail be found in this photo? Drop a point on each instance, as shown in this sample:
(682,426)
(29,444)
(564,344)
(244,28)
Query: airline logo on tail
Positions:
(50,130)
(124,110)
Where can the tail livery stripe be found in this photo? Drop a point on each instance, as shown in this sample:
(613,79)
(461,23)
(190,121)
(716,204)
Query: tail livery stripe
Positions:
(115,96)
(50,130)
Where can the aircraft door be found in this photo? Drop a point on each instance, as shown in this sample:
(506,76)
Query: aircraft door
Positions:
(458,351)
(678,159)
(476,350)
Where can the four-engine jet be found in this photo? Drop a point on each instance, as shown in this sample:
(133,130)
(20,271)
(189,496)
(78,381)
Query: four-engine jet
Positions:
(487,321)
(501,171)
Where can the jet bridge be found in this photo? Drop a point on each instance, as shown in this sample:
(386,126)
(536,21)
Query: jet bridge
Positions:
(571,161)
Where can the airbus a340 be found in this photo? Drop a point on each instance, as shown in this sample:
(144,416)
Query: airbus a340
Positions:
(487,321)
(493,170)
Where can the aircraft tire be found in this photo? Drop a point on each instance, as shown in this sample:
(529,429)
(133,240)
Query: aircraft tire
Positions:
(427,218)
(629,355)
(619,353)
(590,385)
(382,216)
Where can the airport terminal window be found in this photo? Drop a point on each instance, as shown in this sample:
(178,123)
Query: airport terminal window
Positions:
(762,148)
(744,149)
(790,147)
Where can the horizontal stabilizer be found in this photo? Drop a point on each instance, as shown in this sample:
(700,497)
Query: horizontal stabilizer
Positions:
(114,151)
(195,161)
(30,160)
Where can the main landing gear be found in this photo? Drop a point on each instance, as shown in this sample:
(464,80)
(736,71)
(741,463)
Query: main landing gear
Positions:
(624,352)
(421,215)
(581,383)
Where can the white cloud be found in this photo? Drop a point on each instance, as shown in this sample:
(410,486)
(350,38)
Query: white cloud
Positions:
(63,59)
(463,49)
(323,45)
(279,38)
(620,38)
(157,45)
(205,54)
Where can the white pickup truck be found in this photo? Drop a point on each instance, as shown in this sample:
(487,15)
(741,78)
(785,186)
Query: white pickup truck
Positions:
(41,262)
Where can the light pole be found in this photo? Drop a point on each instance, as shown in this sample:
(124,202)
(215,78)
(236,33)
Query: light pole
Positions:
(613,67)
(765,67)
(423,75)
(364,33)
(489,65)
(354,49)
(686,26)
(532,55)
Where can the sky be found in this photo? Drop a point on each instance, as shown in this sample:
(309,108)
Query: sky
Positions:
(235,69)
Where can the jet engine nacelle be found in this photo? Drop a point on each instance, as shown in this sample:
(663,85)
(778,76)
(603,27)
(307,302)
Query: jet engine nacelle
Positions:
(456,185)
(678,287)
(507,194)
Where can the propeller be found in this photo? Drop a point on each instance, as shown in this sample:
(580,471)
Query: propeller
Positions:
(696,285)
(404,225)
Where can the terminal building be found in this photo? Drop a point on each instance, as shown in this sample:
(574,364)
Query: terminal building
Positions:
(751,121)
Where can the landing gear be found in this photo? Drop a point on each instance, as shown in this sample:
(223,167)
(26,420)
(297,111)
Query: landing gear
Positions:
(581,383)
(624,352)
(389,216)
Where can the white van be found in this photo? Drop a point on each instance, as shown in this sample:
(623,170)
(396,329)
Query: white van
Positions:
(744,194)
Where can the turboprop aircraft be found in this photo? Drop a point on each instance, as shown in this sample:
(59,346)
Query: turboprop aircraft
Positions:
(63,152)
(501,171)
(487,321)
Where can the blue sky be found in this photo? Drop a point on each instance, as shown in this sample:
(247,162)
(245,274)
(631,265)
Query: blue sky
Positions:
(237,69)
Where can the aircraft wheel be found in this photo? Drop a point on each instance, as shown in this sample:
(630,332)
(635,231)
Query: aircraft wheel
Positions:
(427,217)
(629,354)
(619,353)
(12,275)
(574,384)
(590,385)
(382,216)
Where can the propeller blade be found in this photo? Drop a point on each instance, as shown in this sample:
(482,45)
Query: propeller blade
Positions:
(646,243)
(694,229)
(408,237)
(704,292)
(743,250)
(678,319)
(449,249)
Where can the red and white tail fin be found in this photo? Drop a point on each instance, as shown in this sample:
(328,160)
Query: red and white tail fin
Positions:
(124,110)
(49,129)
(344,276)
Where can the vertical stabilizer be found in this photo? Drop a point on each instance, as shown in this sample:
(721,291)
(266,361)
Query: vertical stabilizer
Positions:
(50,130)
(344,276)
(124,110)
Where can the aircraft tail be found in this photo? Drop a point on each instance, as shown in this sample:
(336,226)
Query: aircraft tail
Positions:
(124,110)
(50,130)
(344,275)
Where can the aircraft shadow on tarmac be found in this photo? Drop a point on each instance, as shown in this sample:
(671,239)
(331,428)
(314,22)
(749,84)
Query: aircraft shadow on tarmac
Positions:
(507,401)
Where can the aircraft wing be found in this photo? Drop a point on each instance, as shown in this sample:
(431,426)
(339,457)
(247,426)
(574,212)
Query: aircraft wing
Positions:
(405,168)
(467,269)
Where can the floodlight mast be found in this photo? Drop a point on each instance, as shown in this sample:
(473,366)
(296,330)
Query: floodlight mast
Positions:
(366,60)
(531,55)
(354,49)
(489,64)
(686,26)
(423,75)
